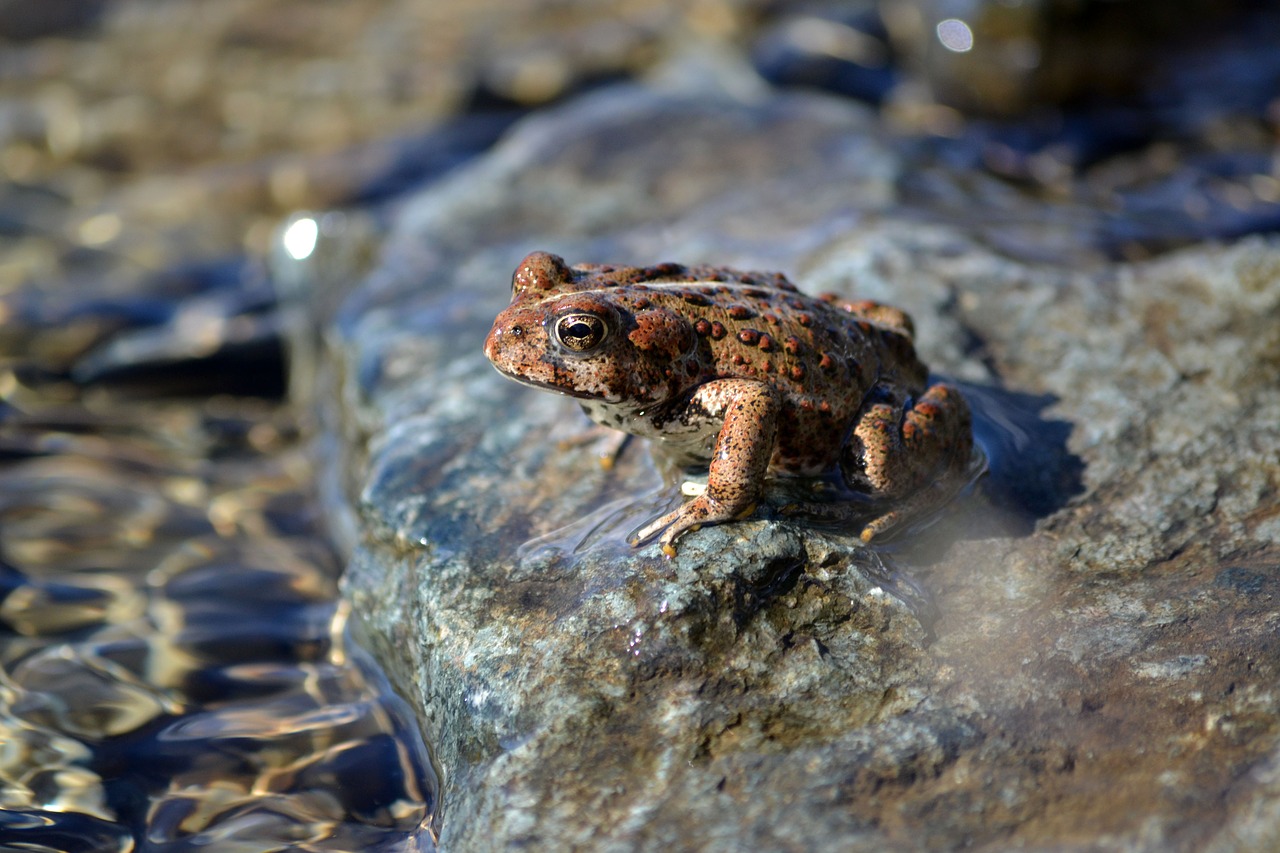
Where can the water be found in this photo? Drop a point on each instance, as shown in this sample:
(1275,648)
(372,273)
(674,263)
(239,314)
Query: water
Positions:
(174,668)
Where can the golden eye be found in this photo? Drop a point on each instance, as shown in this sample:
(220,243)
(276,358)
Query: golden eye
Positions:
(580,332)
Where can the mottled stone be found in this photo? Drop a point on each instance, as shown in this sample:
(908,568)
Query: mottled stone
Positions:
(1080,656)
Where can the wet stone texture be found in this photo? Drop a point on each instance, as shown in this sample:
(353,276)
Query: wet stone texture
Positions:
(1081,655)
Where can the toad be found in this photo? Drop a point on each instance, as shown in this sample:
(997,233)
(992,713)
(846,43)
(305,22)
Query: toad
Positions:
(742,373)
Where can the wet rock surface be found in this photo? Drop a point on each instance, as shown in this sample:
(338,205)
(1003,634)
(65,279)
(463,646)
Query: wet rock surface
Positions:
(1079,655)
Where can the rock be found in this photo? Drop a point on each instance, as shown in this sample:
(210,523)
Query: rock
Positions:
(23,19)
(1006,59)
(837,48)
(1080,655)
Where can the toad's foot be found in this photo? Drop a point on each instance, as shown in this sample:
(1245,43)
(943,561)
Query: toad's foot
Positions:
(850,512)
(917,506)
(686,518)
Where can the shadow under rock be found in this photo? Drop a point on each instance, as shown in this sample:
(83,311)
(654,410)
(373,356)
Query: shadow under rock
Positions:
(1031,473)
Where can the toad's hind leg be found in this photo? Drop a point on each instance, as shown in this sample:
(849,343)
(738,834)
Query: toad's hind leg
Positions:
(932,496)
(884,315)
(915,455)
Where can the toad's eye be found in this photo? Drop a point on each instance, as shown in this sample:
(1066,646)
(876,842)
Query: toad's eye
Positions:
(580,332)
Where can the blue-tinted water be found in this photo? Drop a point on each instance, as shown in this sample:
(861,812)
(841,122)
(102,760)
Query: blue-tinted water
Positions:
(174,669)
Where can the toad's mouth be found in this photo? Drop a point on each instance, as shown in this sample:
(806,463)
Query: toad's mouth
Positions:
(558,389)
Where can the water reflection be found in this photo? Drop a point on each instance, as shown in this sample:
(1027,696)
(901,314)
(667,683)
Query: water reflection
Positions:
(955,35)
(174,669)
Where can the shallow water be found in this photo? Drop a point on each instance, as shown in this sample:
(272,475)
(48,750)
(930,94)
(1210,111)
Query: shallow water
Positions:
(174,670)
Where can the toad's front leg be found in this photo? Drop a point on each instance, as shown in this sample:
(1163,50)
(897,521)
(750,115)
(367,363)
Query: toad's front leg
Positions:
(738,463)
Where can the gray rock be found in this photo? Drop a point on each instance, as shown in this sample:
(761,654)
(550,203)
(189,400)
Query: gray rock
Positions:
(1066,661)
(23,19)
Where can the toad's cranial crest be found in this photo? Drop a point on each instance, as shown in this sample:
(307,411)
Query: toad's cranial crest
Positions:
(742,373)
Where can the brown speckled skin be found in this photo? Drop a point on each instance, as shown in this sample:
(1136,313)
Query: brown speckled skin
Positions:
(739,371)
